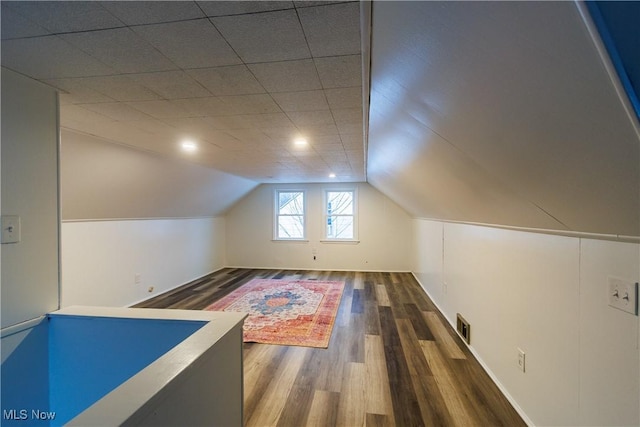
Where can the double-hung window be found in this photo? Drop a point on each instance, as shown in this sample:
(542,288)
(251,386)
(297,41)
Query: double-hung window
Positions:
(340,215)
(290,215)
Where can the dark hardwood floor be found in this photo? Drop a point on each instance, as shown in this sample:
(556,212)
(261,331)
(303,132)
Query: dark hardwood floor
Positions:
(392,360)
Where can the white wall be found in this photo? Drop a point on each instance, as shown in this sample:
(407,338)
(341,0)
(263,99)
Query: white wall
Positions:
(29,190)
(101,258)
(384,230)
(546,295)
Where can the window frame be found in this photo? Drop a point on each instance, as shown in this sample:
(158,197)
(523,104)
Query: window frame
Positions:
(354,215)
(277,215)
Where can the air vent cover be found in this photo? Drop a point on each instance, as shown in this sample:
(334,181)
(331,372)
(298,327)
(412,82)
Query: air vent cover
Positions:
(464,329)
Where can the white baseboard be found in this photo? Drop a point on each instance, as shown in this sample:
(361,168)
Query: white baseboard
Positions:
(486,368)
(175,287)
(319,269)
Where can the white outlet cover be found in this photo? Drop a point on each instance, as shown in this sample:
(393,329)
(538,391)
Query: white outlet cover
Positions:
(623,295)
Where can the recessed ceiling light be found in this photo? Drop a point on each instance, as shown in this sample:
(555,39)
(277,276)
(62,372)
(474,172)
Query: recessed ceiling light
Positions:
(332,175)
(189,146)
(300,142)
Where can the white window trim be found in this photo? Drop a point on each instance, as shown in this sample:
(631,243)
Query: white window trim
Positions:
(352,240)
(276,214)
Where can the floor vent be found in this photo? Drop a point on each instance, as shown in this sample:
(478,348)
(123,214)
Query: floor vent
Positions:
(464,329)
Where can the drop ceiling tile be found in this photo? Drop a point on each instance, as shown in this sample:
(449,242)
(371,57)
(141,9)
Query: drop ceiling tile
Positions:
(221,8)
(311,3)
(319,140)
(233,80)
(195,125)
(14,25)
(249,135)
(344,97)
(151,12)
(171,84)
(76,92)
(210,106)
(229,122)
(340,71)
(77,113)
(332,29)
(161,109)
(229,144)
(49,57)
(251,104)
(197,129)
(328,148)
(190,44)
(352,141)
(311,118)
(264,37)
(337,158)
(346,115)
(119,87)
(355,155)
(121,49)
(350,128)
(313,100)
(221,139)
(282,135)
(316,131)
(117,111)
(268,121)
(287,76)
(289,162)
(67,16)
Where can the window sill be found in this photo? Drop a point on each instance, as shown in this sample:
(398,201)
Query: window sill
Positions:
(343,241)
(290,240)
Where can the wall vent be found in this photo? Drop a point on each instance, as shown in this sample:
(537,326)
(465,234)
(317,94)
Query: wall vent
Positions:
(464,329)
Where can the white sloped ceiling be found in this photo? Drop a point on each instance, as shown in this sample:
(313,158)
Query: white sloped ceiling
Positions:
(102,180)
(500,113)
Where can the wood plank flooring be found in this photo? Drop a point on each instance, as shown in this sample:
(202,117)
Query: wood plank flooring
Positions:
(392,360)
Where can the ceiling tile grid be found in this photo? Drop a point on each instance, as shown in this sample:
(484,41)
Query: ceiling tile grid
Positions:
(245,78)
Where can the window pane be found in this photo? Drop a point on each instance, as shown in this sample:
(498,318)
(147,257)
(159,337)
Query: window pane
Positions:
(339,202)
(291,203)
(291,227)
(340,227)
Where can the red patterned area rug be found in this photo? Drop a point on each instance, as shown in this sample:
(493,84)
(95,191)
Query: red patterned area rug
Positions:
(286,312)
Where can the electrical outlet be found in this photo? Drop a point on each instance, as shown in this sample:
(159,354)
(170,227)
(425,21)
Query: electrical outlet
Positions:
(137,278)
(623,295)
(521,360)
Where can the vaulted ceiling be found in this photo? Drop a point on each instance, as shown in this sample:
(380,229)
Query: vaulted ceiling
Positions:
(243,80)
(502,113)
(506,113)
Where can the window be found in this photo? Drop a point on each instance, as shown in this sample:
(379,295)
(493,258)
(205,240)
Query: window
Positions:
(340,214)
(290,215)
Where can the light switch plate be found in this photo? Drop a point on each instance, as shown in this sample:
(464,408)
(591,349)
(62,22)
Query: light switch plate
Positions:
(10,229)
(521,360)
(623,295)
